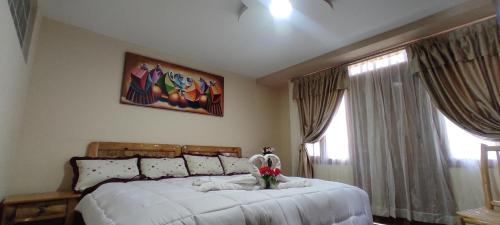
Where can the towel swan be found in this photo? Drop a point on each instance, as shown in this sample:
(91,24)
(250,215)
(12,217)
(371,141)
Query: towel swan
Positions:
(271,160)
(246,182)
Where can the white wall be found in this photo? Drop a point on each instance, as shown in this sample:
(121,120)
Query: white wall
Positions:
(74,95)
(13,88)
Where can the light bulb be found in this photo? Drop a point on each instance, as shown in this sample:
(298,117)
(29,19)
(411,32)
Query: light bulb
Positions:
(280,9)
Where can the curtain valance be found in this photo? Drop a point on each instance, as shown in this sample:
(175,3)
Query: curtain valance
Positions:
(461,71)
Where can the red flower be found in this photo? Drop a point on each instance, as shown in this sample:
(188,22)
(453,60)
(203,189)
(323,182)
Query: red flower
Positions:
(277,172)
(264,170)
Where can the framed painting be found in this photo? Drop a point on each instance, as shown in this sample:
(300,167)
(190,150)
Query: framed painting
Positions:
(154,83)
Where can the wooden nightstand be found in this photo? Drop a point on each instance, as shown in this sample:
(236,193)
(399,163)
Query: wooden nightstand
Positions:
(38,207)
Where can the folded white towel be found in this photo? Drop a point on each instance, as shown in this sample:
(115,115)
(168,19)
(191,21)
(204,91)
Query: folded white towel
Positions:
(295,184)
(215,186)
(224,185)
(242,179)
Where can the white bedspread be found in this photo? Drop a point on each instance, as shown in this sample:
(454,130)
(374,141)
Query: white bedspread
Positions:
(175,202)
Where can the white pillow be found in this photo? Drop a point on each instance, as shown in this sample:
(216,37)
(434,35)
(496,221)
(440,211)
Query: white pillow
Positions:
(203,165)
(90,171)
(155,168)
(234,165)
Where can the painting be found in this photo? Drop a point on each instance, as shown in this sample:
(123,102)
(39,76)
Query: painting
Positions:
(154,83)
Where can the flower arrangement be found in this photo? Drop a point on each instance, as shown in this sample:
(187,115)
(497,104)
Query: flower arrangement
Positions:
(270,176)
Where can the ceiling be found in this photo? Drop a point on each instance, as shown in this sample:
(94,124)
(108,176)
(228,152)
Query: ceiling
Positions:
(208,31)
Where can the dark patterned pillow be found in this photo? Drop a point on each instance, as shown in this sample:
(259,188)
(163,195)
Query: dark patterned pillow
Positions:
(91,171)
(155,168)
(234,165)
(203,165)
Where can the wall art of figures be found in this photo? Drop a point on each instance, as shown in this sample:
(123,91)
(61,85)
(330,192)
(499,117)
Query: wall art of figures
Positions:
(155,83)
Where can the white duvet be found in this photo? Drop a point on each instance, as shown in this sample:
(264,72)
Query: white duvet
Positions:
(177,202)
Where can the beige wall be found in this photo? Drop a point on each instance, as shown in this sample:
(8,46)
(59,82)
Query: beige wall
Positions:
(73,99)
(284,151)
(294,129)
(13,88)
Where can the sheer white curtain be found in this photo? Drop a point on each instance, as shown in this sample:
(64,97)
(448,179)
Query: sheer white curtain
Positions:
(397,142)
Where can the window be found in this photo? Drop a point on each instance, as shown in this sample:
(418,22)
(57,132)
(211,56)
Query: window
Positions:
(463,145)
(313,149)
(23,17)
(335,143)
(336,135)
(378,63)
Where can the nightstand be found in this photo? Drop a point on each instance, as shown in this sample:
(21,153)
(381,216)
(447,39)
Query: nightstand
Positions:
(38,207)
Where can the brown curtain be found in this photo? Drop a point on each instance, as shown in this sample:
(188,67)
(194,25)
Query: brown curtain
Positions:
(461,71)
(318,97)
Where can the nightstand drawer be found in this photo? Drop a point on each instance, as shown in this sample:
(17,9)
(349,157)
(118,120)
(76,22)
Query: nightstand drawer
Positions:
(38,207)
(37,212)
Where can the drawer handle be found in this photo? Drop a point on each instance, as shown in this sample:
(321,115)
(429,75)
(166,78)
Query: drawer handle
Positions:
(41,210)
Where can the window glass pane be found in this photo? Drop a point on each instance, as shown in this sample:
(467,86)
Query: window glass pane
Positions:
(462,144)
(313,149)
(337,145)
(378,63)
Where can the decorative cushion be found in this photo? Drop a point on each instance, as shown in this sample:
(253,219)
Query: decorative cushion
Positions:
(203,165)
(92,171)
(155,168)
(234,165)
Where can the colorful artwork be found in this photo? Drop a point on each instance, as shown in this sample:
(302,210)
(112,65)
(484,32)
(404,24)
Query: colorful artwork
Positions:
(154,83)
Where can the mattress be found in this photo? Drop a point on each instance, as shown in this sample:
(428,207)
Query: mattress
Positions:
(176,201)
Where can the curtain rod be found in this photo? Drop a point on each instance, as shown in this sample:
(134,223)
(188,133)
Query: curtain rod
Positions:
(398,46)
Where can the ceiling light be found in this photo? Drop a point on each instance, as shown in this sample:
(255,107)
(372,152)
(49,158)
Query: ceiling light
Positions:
(280,9)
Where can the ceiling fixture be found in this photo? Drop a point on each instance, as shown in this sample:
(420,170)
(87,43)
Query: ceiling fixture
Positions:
(243,9)
(330,3)
(280,9)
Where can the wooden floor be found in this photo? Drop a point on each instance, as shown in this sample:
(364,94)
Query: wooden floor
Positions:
(392,221)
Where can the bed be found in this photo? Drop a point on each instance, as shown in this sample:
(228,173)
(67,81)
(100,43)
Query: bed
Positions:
(175,201)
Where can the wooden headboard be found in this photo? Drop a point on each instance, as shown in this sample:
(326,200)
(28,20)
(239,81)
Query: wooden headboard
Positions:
(211,150)
(123,149)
